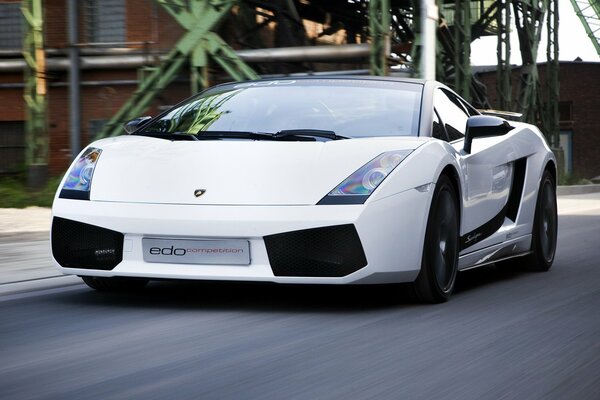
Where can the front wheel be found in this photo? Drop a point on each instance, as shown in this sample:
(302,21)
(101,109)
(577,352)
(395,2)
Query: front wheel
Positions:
(437,278)
(116,284)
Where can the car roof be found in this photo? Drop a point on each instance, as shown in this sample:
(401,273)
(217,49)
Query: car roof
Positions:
(332,77)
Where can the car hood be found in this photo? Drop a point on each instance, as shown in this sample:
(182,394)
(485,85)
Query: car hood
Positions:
(230,172)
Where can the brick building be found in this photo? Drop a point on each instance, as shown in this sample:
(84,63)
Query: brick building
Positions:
(129,33)
(117,37)
(579,112)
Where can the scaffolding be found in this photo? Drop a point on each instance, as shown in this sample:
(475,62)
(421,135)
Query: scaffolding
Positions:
(503,68)
(588,12)
(551,119)
(199,19)
(382,37)
(36,132)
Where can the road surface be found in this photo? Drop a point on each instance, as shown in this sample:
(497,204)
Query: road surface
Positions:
(505,334)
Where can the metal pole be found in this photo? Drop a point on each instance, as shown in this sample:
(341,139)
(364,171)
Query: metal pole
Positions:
(35,93)
(74,78)
(429,19)
(552,77)
(462,48)
(503,72)
(379,28)
(322,53)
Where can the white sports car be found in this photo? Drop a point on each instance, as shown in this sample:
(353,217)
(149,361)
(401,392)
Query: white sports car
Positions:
(345,180)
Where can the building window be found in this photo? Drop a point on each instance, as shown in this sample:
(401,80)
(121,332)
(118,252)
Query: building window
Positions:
(565,111)
(12,146)
(11,26)
(105,21)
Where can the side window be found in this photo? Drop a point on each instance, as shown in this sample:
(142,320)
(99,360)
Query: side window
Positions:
(451,112)
(437,131)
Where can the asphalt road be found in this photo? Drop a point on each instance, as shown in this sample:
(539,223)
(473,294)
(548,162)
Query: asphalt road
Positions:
(505,334)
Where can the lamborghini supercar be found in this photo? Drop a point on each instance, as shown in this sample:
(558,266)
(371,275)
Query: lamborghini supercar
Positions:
(345,180)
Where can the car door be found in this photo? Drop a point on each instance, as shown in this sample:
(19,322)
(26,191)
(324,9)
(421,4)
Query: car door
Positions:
(487,171)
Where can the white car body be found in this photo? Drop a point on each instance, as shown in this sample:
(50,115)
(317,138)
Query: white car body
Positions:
(144,188)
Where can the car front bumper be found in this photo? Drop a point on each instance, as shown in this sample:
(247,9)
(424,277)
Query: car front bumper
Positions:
(391,231)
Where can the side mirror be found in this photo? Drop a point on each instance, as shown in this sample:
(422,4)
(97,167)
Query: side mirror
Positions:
(482,126)
(134,124)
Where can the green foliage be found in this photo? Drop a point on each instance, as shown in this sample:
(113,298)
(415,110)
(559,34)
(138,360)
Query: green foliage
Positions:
(15,194)
(572,179)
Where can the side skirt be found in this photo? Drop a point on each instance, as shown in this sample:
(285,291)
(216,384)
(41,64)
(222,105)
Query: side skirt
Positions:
(512,248)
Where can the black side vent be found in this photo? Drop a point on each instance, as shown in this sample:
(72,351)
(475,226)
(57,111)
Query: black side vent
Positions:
(332,251)
(79,245)
(516,190)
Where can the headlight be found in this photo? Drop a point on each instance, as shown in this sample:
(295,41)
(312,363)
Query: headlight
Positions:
(358,187)
(79,180)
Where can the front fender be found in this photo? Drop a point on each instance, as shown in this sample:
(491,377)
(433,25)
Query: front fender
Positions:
(423,166)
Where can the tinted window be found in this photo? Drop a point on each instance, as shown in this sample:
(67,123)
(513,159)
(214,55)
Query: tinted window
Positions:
(437,131)
(453,115)
(352,108)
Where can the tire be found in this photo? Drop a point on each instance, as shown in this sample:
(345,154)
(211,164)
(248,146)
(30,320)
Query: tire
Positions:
(114,284)
(545,227)
(439,264)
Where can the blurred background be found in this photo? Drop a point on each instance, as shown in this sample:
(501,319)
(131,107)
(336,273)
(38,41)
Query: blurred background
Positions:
(74,71)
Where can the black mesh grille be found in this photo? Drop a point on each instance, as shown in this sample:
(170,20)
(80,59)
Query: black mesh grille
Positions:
(79,245)
(331,251)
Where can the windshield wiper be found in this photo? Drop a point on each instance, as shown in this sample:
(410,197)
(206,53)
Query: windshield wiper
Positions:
(287,134)
(283,135)
(169,136)
(304,133)
(208,135)
(233,135)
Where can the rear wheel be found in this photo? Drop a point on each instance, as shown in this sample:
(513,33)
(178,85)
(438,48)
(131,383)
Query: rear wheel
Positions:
(116,284)
(437,278)
(543,233)
(545,227)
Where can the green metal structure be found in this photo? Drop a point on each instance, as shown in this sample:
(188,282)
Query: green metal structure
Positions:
(529,20)
(36,132)
(379,26)
(462,48)
(199,19)
(552,120)
(391,27)
(588,12)
(504,70)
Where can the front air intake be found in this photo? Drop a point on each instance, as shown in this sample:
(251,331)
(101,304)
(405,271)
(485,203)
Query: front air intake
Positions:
(79,245)
(332,251)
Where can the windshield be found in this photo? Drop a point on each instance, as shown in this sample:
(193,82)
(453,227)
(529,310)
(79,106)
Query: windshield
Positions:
(348,107)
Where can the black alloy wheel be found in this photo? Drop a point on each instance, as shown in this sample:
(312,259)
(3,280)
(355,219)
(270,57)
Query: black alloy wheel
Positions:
(545,227)
(437,278)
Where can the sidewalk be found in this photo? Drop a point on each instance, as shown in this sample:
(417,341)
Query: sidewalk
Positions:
(30,219)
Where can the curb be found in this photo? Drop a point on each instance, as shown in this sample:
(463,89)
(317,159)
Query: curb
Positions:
(577,189)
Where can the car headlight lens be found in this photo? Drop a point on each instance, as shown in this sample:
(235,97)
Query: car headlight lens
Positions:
(358,187)
(79,180)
